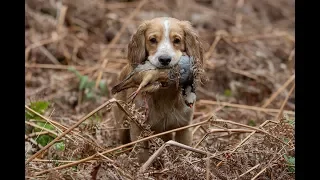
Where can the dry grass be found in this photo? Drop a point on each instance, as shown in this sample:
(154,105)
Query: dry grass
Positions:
(242,126)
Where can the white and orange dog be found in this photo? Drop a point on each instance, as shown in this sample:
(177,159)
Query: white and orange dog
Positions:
(161,41)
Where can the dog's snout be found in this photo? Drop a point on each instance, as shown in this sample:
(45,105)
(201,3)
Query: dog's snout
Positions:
(164,60)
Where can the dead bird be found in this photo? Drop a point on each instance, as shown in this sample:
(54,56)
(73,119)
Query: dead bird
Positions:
(148,78)
(186,80)
(145,76)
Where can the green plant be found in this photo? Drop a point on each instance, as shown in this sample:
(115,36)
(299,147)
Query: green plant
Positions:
(251,123)
(40,107)
(289,120)
(290,163)
(86,85)
(228,92)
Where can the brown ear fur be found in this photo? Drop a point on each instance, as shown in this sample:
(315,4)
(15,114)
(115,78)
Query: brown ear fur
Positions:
(194,48)
(137,46)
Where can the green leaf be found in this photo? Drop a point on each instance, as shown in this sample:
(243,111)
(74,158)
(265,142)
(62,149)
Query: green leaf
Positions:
(29,115)
(43,125)
(83,82)
(60,146)
(288,120)
(286,140)
(44,139)
(72,69)
(90,84)
(38,106)
(228,93)
(291,163)
(103,88)
(90,95)
(97,117)
(290,160)
(251,123)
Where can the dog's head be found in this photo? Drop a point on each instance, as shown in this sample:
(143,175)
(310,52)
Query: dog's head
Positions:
(162,41)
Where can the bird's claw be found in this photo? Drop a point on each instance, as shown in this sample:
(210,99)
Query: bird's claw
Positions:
(133,96)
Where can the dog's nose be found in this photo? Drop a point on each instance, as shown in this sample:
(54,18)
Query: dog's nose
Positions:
(164,60)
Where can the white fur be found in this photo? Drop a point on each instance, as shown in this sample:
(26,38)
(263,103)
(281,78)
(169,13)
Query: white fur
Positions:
(190,97)
(164,48)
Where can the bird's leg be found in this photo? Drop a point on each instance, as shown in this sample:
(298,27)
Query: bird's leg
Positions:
(134,94)
(144,82)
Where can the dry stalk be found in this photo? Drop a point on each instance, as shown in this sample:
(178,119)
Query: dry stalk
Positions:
(117,38)
(250,127)
(219,130)
(208,166)
(53,39)
(251,169)
(49,55)
(266,166)
(285,101)
(241,106)
(42,128)
(123,146)
(275,94)
(168,143)
(62,15)
(292,53)
(239,16)
(120,5)
(68,130)
(243,73)
(245,139)
(35,134)
(85,70)
(212,47)
(121,171)
(51,161)
(246,38)
(53,123)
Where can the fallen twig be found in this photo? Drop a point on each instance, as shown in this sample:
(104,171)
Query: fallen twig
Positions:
(241,106)
(168,143)
(122,146)
(285,101)
(275,94)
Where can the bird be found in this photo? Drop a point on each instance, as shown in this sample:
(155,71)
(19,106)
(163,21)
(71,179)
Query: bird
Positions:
(149,78)
(186,81)
(145,76)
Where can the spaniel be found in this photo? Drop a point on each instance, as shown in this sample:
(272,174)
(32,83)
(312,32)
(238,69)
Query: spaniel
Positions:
(161,41)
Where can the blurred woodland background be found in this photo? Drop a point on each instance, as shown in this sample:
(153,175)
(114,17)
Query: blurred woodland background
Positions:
(74,50)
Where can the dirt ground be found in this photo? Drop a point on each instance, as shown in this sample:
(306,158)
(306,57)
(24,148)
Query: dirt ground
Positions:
(76,48)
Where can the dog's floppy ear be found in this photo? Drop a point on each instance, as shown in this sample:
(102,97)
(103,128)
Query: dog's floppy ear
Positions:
(137,46)
(192,42)
(194,48)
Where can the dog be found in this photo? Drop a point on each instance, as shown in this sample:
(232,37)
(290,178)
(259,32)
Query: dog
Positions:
(161,41)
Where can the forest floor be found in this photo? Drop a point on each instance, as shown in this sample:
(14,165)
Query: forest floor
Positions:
(245,111)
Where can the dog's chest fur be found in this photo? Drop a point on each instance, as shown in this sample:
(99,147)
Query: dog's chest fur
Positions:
(167,110)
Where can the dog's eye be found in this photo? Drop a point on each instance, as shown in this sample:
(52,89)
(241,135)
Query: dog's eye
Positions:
(153,40)
(176,41)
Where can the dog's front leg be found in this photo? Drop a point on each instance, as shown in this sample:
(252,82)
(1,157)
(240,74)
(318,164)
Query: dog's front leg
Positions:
(184,136)
(143,147)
